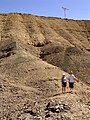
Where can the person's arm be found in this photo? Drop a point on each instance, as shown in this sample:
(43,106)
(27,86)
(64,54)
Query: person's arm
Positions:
(76,79)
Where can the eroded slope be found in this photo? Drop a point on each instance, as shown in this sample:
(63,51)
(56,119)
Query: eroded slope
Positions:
(34,52)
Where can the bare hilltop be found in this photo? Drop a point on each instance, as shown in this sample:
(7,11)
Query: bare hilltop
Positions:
(34,53)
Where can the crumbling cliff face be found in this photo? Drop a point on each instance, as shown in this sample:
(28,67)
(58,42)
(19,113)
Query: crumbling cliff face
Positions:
(60,42)
(34,53)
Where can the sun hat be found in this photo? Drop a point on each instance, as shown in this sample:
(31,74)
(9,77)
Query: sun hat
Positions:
(63,73)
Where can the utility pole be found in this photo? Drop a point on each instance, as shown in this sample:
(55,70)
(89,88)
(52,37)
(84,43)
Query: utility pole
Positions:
(64,11)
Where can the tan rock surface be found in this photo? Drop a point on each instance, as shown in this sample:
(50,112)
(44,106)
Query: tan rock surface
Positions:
(34,53)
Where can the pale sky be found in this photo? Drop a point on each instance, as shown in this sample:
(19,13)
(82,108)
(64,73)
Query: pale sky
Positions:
(78,9)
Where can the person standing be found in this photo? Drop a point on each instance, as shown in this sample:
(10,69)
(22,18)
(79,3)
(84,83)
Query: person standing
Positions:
(64,83)
(72,79)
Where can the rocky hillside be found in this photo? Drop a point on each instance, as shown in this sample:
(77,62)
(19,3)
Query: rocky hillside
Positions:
(34,53)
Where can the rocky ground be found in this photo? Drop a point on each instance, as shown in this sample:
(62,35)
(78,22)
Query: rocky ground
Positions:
(34,53)
(20,102)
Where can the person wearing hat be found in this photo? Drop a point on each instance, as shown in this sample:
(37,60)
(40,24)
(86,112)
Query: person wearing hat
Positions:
(64,83)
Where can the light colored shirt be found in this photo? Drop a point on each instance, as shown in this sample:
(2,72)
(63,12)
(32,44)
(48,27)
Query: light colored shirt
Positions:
(64,79)
(71,78)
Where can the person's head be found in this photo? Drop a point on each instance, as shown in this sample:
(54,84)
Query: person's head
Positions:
(71,72)
(63,74)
